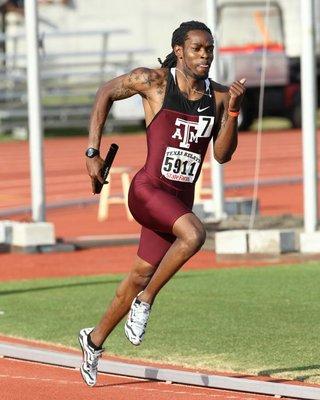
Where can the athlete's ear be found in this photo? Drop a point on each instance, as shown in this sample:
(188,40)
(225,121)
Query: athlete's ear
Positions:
(178,51)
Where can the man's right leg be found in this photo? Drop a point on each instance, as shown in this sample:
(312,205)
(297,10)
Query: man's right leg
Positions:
(91,339)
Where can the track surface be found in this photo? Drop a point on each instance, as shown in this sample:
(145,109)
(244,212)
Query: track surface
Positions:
(66,177)
(38,381)
(30,381)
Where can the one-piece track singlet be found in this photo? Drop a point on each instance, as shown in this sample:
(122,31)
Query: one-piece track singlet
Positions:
(163,190)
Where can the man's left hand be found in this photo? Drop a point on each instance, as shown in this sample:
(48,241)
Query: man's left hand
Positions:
(236,93)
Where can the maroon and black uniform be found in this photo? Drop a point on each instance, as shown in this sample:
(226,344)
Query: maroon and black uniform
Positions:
(163,190)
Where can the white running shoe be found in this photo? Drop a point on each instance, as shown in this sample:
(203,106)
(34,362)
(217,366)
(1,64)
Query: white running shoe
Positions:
(89,366)
(136,324)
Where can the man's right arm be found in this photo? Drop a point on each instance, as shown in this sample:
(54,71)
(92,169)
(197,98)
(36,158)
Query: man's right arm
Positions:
(139,81)
(122,87)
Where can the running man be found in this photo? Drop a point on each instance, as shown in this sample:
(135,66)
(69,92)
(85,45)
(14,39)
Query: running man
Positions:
(183,111)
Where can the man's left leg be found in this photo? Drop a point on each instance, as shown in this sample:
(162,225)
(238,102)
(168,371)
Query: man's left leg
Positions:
(135,282)
(190,236)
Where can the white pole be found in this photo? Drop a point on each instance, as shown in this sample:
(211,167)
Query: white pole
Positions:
(217,176)
(309,137)
(34,113)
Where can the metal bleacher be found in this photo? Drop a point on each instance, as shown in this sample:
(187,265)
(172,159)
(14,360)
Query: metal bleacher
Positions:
(69,79)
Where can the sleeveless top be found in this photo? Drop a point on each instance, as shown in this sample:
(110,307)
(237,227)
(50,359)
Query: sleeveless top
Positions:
(179,134)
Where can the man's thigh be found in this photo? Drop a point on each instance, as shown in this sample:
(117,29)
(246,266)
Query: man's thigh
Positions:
(154,245)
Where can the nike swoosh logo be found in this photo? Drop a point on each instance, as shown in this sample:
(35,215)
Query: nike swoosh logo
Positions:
(202,109)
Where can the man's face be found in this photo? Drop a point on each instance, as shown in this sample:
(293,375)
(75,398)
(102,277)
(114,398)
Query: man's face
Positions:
(197,54)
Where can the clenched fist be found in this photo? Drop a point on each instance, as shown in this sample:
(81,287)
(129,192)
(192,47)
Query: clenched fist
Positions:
(94,168)
(236,93)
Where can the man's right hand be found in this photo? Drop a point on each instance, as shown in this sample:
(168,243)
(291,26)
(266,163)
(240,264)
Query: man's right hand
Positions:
(94,168)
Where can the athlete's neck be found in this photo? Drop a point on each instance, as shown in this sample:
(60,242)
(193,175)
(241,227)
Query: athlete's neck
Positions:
(189,85)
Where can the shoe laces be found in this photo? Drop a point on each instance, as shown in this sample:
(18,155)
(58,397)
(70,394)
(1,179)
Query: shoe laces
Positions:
(140,313)
(94,358)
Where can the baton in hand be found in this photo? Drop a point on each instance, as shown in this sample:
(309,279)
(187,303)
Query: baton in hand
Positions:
(106,167)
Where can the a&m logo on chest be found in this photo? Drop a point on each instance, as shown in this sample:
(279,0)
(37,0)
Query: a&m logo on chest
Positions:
(190,131)
(179,164)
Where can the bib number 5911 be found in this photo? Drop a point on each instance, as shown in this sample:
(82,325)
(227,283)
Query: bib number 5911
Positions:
(177,166)
(180,165)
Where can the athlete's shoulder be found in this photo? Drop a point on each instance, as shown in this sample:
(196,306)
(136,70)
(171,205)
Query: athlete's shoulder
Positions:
(217,87)
(147,77)
(221,93)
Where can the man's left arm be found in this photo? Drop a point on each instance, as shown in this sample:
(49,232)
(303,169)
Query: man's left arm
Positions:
(227,138)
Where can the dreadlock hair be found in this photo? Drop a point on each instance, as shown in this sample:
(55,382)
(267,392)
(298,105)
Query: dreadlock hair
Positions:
(178,38)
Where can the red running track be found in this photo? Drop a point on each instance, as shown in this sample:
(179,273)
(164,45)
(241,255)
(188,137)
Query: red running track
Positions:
(66,177)
(34,381)
(31,381)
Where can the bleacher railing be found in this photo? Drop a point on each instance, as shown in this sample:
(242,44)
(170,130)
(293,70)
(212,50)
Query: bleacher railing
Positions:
(69,79)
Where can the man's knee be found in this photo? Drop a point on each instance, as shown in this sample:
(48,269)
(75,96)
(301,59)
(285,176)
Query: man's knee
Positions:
(141,273)
(195,238)
(190,231)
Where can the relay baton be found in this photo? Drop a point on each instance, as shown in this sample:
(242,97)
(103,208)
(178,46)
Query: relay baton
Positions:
(108,161)
(106,166)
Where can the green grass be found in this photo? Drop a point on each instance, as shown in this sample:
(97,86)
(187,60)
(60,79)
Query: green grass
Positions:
(277,123)
(258,320)
(69,132)
(5,137)
(56,100)
(271,124)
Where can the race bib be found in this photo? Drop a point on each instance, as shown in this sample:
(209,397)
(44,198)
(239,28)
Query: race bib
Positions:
(180,165)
